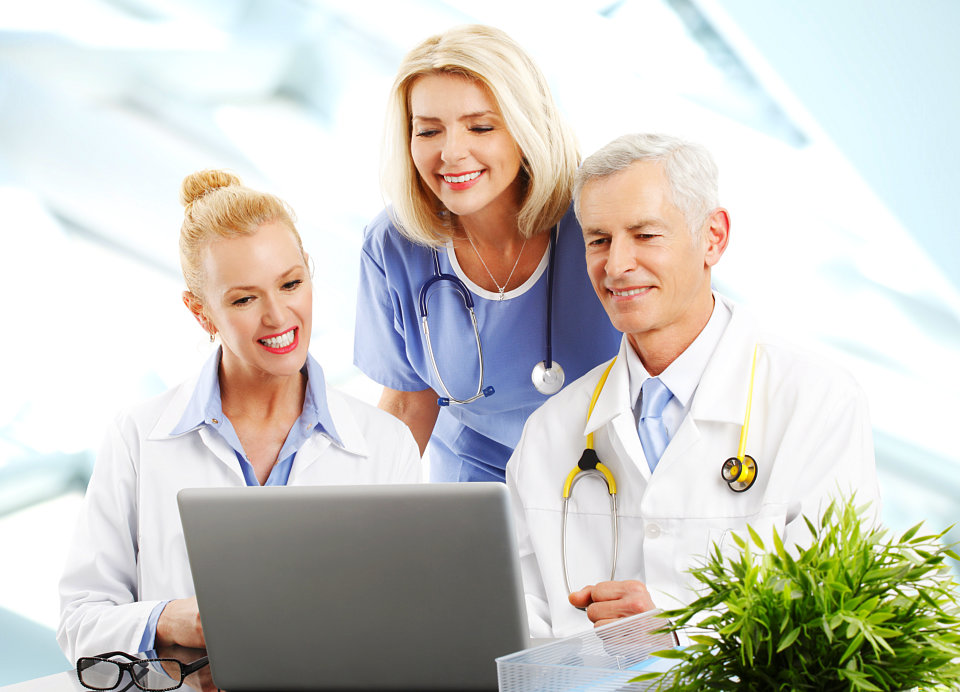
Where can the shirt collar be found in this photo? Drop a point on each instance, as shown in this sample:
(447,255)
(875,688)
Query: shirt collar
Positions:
(204,406)
(684,374)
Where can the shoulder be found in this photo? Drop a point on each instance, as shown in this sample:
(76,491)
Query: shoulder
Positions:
(569,234)
(379,229)
(381,236)
(144,416)
(802,369)
(792,366)
(390,251)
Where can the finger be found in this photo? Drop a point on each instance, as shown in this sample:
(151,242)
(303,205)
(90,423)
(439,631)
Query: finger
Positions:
(614,590)
(582,598)
(631,604)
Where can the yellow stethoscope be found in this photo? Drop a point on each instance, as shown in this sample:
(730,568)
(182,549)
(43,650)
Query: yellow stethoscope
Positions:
(739,472)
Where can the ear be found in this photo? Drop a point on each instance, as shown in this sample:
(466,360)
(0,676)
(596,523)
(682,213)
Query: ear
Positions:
(716,235)
(196,308)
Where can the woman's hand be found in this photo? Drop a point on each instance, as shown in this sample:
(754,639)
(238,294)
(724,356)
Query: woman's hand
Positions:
(179,623)
(419,410)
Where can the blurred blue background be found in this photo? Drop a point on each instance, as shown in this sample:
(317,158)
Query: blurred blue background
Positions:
(833,124)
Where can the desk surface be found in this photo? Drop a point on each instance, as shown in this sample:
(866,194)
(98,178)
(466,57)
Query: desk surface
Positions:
(61,682)
(68,681)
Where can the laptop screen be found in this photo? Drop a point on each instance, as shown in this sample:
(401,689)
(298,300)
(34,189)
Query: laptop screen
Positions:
(355,587)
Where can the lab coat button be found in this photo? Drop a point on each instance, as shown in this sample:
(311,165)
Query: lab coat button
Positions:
(653,531)
(214,421)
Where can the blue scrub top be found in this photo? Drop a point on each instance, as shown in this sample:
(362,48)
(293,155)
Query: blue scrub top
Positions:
(472,442)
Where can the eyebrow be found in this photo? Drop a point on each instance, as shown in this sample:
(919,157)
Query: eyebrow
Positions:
(465,116)
(291,270)
(595,231)
(643,223)
(638,225)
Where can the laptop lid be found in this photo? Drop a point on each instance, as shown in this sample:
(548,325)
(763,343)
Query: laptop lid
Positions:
(388,587)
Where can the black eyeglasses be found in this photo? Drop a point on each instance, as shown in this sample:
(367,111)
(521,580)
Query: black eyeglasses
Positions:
(151,674)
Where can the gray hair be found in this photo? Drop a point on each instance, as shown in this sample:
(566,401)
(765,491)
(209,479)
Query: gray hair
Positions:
(690,169)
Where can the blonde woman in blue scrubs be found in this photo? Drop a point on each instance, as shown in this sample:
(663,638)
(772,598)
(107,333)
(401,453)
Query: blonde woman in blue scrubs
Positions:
(478,167)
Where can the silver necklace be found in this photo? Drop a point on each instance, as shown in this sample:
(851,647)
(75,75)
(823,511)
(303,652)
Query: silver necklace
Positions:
(506,283)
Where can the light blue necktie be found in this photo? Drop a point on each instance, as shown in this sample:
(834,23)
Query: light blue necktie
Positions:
(654,396)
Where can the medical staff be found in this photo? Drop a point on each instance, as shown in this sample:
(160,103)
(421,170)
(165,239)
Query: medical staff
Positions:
(478,166)
(672,408)
(258,413)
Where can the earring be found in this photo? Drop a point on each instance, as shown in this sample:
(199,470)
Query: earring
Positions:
(213,337)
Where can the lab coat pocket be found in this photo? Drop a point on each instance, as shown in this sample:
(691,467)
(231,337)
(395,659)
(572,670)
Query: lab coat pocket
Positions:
(769,518)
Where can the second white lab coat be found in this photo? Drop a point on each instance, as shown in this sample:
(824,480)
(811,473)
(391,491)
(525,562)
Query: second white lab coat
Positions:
(128,552)
(809,433)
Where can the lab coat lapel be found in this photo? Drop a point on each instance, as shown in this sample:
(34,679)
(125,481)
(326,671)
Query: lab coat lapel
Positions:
(724,387)
(171,415)
(309,453)
(614,398)
(173,411)
(221,449)
(354,443)
(721,395)
(614,411)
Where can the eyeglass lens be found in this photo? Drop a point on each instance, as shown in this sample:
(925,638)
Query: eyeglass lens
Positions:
(99,675)
(105,675)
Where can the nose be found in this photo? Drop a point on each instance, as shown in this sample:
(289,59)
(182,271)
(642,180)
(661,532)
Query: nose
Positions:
(454,147)
(620,257)
(273,311)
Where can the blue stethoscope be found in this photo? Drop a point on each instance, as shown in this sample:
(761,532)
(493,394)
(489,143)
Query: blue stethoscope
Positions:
(547,375)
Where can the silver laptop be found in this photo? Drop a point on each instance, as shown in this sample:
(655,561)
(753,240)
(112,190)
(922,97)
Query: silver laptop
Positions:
(389,587)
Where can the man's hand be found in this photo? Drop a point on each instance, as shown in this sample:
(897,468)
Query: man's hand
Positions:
(179,623)
(612,600)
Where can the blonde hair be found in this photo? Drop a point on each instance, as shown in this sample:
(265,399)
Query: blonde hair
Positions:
(218,205)
(547,145)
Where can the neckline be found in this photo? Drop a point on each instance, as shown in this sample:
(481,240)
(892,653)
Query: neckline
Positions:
(495,295)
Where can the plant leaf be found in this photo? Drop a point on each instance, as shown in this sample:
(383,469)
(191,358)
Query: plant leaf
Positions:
(910,533)
(756,537)
(789,639)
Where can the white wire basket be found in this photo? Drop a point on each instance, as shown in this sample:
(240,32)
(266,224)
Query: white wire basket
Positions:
(601,660)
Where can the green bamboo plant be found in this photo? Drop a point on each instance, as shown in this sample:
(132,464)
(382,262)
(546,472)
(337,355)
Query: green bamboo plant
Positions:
(853,611)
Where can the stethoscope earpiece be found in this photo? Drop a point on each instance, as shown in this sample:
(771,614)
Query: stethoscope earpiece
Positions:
(739,474)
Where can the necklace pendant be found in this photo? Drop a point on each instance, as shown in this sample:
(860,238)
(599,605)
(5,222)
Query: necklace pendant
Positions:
(501,295)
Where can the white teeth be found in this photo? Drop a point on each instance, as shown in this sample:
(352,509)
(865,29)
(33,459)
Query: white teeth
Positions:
(462,178)
(281,341)
(631,292)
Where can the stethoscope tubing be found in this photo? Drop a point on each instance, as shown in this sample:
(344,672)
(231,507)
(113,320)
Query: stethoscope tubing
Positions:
(743,471)
(592,467)
(554,237)
(464,292)
(468,303)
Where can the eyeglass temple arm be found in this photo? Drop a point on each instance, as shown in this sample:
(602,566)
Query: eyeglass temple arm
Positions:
(188,668)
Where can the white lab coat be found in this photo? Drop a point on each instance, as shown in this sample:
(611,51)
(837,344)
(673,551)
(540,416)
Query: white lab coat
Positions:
(809,433)
(128,552)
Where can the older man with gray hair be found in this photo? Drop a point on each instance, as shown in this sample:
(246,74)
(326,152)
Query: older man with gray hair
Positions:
(702,424)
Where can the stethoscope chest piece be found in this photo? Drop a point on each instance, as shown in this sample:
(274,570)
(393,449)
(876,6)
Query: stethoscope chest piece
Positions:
(738,474)
(546,380)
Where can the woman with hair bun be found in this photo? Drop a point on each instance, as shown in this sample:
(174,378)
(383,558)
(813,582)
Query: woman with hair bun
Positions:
(258,413)
(478,166)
